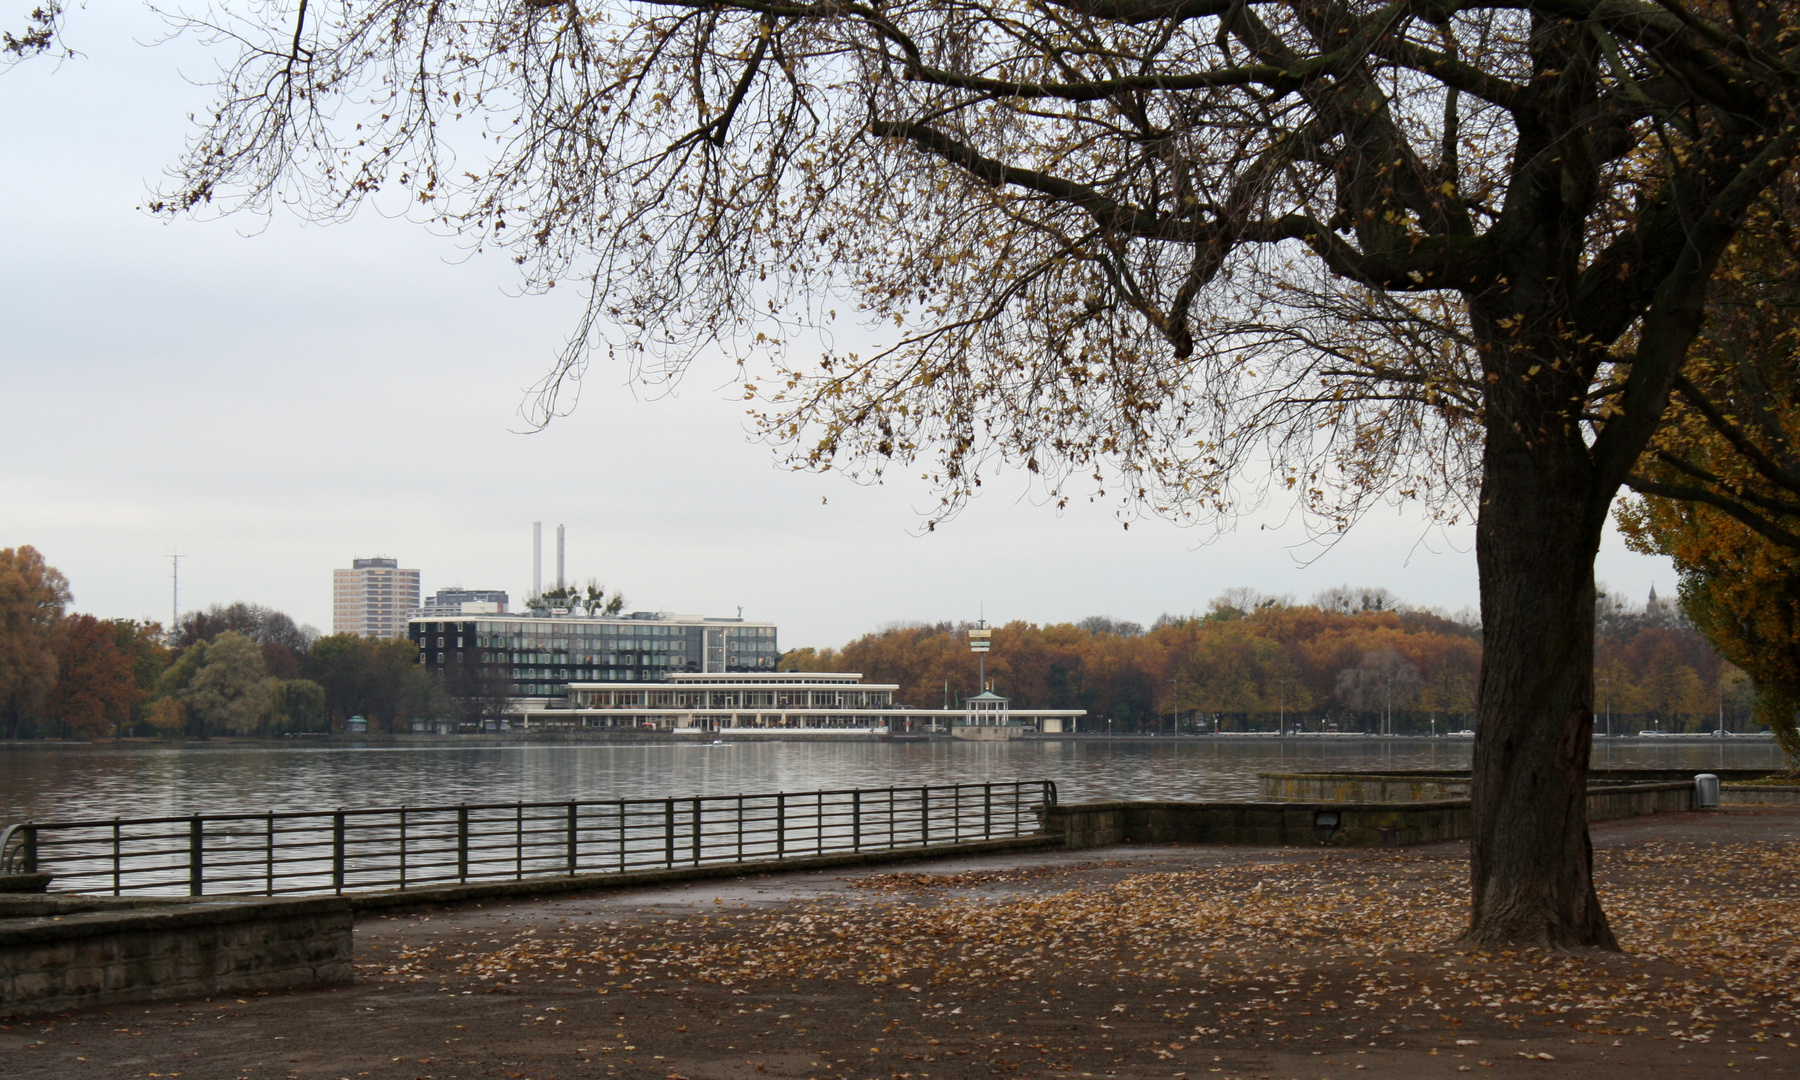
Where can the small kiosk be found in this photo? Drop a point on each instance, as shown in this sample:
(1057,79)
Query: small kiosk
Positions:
(987,717)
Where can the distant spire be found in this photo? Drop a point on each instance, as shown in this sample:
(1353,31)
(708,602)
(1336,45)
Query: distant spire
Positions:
(1653,604)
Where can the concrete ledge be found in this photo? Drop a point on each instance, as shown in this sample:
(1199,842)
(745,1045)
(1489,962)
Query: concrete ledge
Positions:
(1638,800)
(24,883)
(136,952)
(1414,785)
(58,904)
(1272,823)
(552,886)
(1759,795)
(1334,824)
(1672,776)
(1361,787)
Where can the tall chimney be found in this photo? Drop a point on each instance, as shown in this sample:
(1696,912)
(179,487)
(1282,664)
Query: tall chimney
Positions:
(537,558)
(559,556)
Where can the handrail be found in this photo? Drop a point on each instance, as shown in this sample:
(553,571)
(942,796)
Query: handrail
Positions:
(11,856)
(341,850)
(263,815)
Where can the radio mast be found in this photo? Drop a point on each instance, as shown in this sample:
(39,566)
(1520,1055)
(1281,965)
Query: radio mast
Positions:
(175,558)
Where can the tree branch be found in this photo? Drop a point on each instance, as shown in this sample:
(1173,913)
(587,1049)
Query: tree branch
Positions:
(1737,491)
(1770,531)
(1734,435)
(1674,317)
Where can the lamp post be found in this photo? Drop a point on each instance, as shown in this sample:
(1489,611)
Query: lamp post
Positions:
(1606,680)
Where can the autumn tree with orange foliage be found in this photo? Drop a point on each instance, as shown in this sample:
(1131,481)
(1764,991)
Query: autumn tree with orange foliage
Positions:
(96,687)
(1276,664)
(1230,670)
(32,596)
(1721,490)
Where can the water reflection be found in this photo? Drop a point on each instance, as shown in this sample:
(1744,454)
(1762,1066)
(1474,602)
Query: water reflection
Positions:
(49,783)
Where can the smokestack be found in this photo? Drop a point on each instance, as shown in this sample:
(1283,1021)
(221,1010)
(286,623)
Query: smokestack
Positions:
(537,558)
(559,556)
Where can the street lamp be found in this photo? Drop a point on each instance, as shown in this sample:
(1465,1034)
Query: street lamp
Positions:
(1606,680)
(1721,701)
(1280,703)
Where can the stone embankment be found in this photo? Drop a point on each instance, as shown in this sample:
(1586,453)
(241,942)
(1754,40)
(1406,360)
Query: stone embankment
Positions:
(64,952)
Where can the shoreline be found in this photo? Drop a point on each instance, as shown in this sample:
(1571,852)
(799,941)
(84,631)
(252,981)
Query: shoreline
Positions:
(500,739)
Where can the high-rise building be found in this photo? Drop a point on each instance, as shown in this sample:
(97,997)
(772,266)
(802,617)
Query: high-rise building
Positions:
(373,598)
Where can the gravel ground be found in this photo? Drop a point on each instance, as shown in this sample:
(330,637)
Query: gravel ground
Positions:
(1175,962)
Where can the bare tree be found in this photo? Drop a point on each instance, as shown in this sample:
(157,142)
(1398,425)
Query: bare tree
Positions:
(1346,600)
(264,626)
(1204,252)
(1242,600)
(1102,624)
(478,693)
(1381,682)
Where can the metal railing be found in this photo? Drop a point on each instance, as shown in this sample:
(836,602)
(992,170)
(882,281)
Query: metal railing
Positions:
(338,851)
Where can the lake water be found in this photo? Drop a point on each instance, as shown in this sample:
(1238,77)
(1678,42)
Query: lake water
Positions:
(63,782)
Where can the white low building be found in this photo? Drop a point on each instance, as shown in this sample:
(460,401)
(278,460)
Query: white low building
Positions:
(748,702)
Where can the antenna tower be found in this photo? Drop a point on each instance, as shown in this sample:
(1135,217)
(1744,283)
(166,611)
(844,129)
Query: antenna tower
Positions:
(175,558)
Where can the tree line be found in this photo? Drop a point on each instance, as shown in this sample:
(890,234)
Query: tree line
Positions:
(1350,660)
(236,669)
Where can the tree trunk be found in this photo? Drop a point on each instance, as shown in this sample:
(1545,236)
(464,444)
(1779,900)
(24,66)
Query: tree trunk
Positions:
(1531,863)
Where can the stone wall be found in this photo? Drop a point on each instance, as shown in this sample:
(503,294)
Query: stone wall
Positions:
(1339,825)
(1638,800)
(1336,824)
(92,952)
(1416,785)
(1361,787)
(1671,776)
(1758,795)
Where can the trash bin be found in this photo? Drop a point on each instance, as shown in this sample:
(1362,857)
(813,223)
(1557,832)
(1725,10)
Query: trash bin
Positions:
(1706,791)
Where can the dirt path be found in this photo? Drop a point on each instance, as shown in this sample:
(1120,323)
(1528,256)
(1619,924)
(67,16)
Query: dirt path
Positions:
(1173,962)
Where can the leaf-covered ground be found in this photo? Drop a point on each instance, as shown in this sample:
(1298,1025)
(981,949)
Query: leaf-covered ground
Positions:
(1723,918)
(1186,963)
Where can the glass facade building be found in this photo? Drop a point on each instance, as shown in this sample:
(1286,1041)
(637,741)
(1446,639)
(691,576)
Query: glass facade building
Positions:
(539,655)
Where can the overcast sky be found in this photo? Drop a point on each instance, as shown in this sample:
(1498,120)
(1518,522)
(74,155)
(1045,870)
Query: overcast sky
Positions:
(274,398)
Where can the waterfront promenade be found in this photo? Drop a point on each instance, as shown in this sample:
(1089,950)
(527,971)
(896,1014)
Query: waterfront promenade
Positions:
(1180,962)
